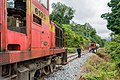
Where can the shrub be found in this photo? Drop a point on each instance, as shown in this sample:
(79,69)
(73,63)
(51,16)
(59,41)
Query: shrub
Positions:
(114,50)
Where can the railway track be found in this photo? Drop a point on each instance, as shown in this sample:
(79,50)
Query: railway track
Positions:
(72,57)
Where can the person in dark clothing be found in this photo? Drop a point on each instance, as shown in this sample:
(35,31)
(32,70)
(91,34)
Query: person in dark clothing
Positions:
(79,52)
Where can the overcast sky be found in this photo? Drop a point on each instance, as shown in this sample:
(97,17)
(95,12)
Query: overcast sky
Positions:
(89,11)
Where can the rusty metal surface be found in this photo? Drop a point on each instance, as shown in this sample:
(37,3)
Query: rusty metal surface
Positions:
(17,56)
(34,44)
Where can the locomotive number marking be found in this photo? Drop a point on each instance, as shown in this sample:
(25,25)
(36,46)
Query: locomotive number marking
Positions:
(39,13)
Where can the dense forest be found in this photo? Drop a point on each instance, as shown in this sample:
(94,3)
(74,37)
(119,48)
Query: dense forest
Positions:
(74,34)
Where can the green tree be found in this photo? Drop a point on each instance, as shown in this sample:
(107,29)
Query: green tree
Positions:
(61,13)
(113,18)
(86,33)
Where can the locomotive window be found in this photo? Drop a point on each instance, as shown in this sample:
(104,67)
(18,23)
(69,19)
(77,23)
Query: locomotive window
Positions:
(10,4)
(44,3)
(37,19)
(16,15)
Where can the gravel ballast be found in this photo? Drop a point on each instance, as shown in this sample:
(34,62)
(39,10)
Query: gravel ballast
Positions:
(71,71)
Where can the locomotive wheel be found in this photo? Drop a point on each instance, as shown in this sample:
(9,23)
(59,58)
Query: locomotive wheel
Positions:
(46,70)
(52,67)
(37,75)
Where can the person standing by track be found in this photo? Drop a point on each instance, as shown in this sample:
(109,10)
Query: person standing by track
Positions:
(79,51)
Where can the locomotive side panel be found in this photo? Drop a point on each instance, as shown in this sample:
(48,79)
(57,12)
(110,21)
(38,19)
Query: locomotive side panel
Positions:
(17,40)
(41,18)
(52,33)
(36,37)
(45,37)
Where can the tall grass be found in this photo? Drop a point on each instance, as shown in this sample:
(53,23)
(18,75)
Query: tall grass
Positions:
(100,67)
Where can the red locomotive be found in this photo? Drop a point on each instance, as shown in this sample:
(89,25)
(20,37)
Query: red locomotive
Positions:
(30,44)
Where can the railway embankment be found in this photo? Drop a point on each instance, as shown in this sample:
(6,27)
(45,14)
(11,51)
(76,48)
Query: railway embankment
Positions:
(100,67)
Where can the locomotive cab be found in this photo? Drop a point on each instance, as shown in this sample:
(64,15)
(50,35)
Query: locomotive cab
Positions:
(30,45)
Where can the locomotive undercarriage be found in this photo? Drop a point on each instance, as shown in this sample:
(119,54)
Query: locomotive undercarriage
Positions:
(31,69)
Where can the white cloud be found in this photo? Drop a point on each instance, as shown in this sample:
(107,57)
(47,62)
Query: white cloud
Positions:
(89,11)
